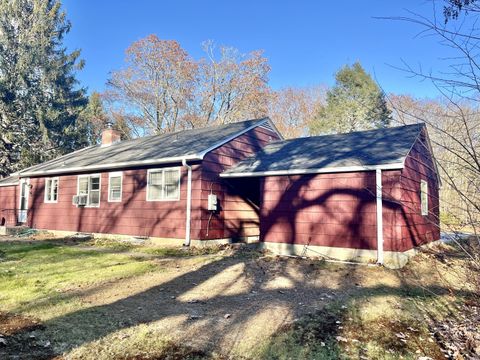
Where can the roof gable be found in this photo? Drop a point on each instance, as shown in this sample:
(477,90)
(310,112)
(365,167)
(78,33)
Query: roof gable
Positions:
(364,150)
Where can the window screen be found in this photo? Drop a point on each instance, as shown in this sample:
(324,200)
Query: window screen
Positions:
(163,184)
(90,186)
(115,187)
(51,190)
(424,196)
(171,184)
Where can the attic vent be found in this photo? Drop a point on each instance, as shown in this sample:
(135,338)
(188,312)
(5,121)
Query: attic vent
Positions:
(423,137)
(267,126)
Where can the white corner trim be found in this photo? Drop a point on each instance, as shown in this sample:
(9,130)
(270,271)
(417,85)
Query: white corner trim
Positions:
(188,205)
(378,186)
(394,166)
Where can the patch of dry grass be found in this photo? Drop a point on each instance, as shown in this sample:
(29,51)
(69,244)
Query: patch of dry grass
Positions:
(109,300)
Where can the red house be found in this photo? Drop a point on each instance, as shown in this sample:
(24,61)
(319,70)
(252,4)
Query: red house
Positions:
(369,195)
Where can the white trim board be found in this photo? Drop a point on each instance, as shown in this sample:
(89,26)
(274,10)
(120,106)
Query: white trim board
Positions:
(394,166)
(230,138)
(10,184)
(110,166)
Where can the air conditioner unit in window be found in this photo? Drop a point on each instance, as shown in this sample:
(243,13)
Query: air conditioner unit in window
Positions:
(79,200)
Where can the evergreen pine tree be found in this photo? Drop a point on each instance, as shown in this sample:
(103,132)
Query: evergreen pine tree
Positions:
(355,103)
(39,95)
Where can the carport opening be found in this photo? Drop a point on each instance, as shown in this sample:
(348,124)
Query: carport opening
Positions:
(248,188)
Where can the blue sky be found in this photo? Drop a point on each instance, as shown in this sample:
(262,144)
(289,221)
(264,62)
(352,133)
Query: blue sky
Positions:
(305,41)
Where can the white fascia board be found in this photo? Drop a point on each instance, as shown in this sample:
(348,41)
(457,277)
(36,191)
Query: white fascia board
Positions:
(126,164)
(10,184)
(270,121)
(226,140)
(25,171)
(395,166)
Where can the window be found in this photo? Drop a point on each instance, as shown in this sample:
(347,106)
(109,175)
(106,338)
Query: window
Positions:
(51,190)
(115,187)
(90,185)
(424,196)
(163,184)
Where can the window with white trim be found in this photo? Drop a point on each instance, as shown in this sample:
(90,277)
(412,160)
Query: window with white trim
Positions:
(115,187)
(90,185)
(424,197)
(163,184)
(51,190)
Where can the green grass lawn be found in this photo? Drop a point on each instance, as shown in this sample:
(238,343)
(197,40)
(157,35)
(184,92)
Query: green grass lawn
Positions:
(38,275)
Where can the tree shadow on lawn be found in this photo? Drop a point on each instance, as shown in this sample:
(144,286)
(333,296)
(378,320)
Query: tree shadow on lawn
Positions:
(200,325)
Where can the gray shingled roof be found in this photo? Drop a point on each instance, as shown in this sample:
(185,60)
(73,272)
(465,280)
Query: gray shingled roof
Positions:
(9,180)
(385,148)
(156,149)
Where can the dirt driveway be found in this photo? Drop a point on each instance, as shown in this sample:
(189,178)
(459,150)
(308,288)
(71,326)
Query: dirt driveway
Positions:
(223,304)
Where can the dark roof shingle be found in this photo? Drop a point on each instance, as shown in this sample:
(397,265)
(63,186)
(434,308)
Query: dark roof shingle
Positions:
(190,144)
(380,147)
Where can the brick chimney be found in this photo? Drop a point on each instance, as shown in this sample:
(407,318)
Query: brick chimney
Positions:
(110,136)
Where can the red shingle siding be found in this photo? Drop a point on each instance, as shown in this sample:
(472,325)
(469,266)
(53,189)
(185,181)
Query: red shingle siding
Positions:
(132,216)
(411,227)
(9,199)
(237,217)
(324,210)
(340,210)
(136,216)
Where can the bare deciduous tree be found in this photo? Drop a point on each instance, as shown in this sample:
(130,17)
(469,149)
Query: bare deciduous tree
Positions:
(292,109)
(162,89)
(156,85)
(455,124)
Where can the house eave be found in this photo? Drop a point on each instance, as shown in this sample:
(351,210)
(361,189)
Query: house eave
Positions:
(126,164)
(10,184)
(393,166)
(129,164)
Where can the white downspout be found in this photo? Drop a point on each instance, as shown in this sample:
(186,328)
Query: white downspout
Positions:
(378,182)
(189,202)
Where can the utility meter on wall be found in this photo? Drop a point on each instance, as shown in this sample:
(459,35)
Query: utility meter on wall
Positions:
(212,202)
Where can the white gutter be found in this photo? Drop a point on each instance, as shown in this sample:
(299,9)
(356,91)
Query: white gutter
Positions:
(189,202)
(10,184)
(378,182)
(110,166)
(394,166)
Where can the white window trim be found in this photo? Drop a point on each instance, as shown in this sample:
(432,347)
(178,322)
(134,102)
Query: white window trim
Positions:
(423,210)
(45,200)
(163,187)
(99,188)
(115,174)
